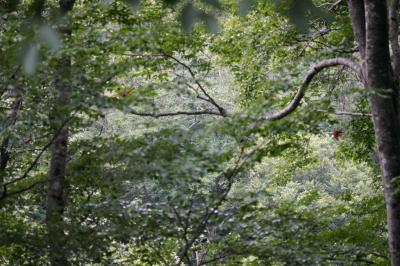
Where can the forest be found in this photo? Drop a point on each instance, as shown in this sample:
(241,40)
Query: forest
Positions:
(199,132)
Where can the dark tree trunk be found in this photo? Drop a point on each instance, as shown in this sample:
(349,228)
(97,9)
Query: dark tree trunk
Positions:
(357,16)
(384,110)
(393,10)
(56,199)
(382,89)
(56,180)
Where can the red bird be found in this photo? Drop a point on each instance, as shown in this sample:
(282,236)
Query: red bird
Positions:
(337,133)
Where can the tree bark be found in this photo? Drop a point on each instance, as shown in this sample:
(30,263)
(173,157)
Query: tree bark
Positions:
(55,197)
(383,105)
(393,9)
(357,16)
(59,148)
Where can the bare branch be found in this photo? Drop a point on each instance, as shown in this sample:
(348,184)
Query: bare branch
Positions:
(309,77)
(275,116)
(33,163)
(205,112)
(220,108)
(202,98)
(343,113)
(19,191)
(211,100)
(335,5)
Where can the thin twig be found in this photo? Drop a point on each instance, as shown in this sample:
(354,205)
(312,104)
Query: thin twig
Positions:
(221,110)
(343,113)
(209,213)
(34,162)
(189,69)
(5,195)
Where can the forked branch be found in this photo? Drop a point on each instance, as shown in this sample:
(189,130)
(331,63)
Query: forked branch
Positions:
(207,97)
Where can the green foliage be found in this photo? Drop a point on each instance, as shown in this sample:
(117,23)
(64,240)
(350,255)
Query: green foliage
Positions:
(146,189)
(359,143)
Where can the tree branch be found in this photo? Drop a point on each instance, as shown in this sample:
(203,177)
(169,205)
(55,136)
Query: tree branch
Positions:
(345,113)
(189,69)
(335,5)
(33,163)
(209,213)
(205,112)
(5,194)
(275,116)
(309,77)
(211,100)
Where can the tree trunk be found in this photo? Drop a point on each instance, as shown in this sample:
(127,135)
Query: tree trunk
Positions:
(393,10)
(56,199)
(59,149)
(383,97)
(357,16)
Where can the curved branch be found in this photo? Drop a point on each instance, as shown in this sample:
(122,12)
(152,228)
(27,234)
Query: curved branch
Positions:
(310,75)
